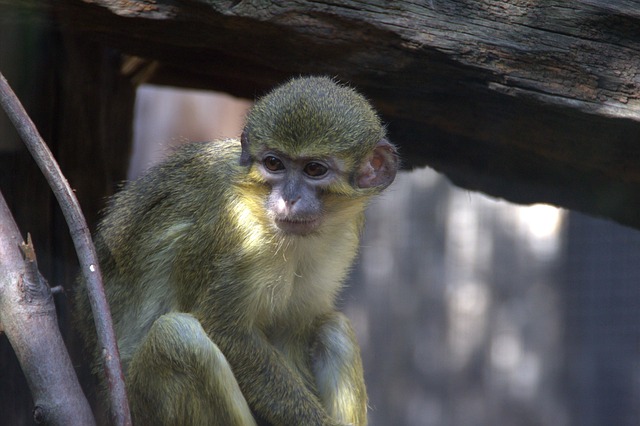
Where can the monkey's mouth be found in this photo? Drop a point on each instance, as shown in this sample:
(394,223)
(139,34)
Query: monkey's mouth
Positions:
(297,226)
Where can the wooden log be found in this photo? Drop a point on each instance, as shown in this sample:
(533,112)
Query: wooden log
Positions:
(529,101)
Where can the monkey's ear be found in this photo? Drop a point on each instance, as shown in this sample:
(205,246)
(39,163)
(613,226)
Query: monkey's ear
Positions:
(379,169)
(245,157)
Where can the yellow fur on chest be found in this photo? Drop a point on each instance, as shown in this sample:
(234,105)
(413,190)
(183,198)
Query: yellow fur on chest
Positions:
(301,276)
(296,277)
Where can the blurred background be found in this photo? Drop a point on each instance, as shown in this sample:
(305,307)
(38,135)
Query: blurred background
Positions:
(469,310)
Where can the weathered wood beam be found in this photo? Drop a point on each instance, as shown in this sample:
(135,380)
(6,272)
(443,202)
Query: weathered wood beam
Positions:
(526,100)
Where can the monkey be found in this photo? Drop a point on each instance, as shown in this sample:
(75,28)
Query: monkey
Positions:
(222,266)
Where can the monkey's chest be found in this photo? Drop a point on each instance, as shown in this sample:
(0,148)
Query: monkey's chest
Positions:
(295,289)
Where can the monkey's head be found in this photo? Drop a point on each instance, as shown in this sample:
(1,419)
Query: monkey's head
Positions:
(313,141)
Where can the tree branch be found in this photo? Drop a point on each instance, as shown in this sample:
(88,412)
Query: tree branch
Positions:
(28,316)
(83,245)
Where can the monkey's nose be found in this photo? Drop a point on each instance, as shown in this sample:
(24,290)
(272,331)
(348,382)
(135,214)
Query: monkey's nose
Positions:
(292,201)
(285,205)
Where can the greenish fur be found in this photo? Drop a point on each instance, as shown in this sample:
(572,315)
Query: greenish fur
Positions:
(318,121)
(197,275)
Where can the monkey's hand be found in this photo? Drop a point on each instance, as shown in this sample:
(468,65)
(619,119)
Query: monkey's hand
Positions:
(337,367)
(271,386)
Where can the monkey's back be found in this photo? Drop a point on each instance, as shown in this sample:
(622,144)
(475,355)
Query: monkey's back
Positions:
(147,229)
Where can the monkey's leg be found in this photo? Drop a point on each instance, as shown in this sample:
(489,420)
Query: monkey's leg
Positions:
(178,376)
(337,367)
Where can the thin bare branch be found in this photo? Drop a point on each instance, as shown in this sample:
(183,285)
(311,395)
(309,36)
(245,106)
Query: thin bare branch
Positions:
(83,245)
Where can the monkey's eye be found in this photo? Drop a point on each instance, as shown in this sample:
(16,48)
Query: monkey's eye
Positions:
(315,169)
(273,163)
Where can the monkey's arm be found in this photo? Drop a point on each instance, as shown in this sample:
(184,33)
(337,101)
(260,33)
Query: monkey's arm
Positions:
(337,368)
(277,392)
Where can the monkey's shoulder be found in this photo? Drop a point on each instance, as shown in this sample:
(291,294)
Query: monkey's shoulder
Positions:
(194,177)
(211,158)
(193,165)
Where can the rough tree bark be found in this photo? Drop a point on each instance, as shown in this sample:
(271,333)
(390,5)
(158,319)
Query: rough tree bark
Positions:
(526,100)
(87,256)
(28,317)
(83,107)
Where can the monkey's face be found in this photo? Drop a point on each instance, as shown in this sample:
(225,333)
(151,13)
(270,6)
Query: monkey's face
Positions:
(294,202)
(321,149)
